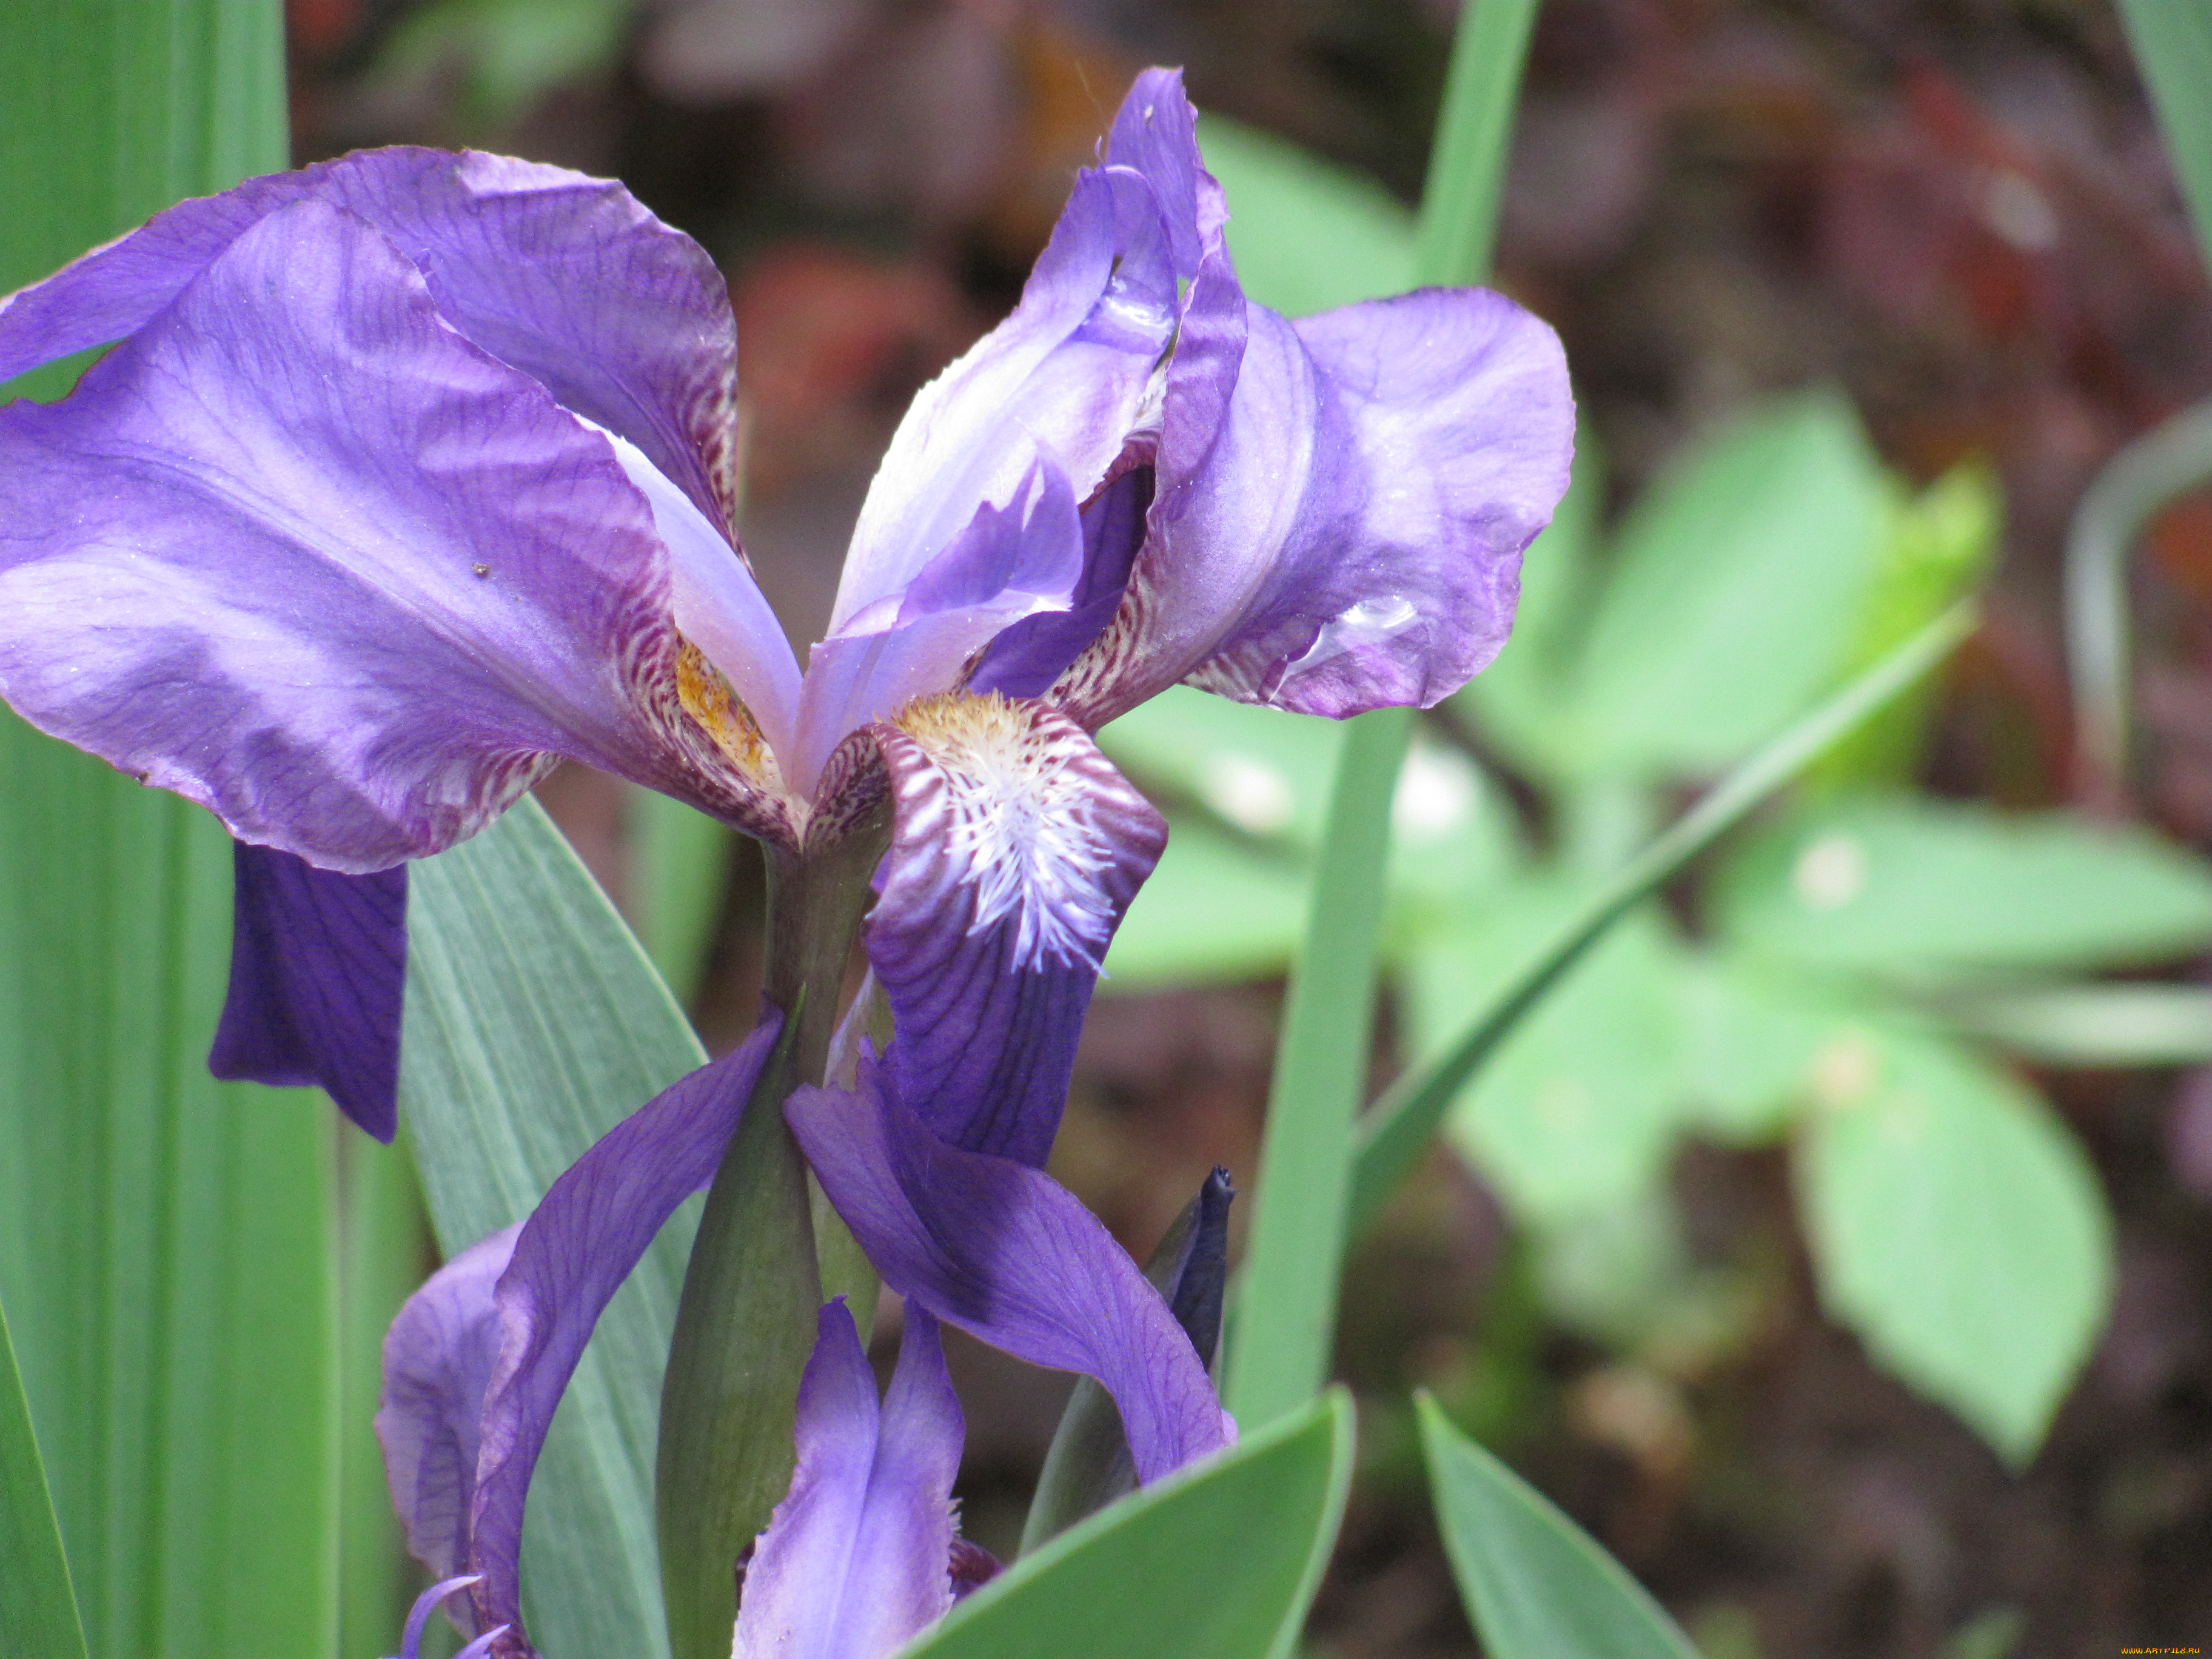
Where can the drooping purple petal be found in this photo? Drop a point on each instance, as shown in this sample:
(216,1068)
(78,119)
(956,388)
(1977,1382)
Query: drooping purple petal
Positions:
(1348,532)
(579,1245)
(438,1357)
(564,277)
(1016,849)
(857,1559)
(301,553)
(317,982)
(1007,1255)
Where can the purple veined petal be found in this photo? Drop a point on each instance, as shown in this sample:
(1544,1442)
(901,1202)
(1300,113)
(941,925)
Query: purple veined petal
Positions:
(438,1357)
(1025,658)
(579,1244)
(1010,1256)
(1155,133)
(1347,533)
(1016,561)
(1072,375)
(857,1559)
(300,552)
(564,277)
(318,982)
(1016,849)
(718,606)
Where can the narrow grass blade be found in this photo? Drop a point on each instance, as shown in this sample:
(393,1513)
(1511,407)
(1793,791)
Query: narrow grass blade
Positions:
(1535,1585)
(534,1025)
(1393,1136)
(38,1605)
(2172,39)
(1278,1356)
(2165,463)
(1220,1561)
(166,1244)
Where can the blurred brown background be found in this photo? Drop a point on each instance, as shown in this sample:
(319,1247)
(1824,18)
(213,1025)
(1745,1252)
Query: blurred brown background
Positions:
(1959,210)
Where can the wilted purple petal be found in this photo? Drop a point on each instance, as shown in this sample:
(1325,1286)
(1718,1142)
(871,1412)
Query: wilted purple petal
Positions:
(857,1558)
(298,551)
(1007,1255)
(438,1357)
(564,277)
(579,1245)
(1016,847)
(317,980)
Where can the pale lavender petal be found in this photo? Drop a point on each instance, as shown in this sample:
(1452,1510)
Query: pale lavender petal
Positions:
(317,982)
(1015,851)
(1070,378)
(1013,560)
(718,606)
(857,1559)
(579,1244)
(564,277)
(438,1361)
(418,1616)
(1348,534)
(300,552)
(1007,1255)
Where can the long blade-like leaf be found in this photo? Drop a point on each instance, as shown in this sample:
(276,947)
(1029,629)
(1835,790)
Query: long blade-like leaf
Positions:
(1279,1353)
(1535,1584)
(1222,1561)
(1392,1137)
(38,1606)
(534,1025)
(166,1248)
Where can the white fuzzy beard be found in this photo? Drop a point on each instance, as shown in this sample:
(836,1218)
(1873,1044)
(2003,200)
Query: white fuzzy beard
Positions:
(1020,814)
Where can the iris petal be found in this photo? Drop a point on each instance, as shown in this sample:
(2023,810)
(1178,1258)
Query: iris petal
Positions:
(1016,849)
(478,1358)
(564,277)
(301,553)
(317,982)
(1012,1257)
(856,1560)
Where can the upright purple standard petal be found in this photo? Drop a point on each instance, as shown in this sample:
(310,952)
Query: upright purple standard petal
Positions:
(299,552)
(1016,847)
(318,979)
(857,1560)
(573,1254)
(1010,1256)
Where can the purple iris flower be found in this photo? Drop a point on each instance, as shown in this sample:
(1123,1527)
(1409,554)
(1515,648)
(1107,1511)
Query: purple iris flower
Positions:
(410,474)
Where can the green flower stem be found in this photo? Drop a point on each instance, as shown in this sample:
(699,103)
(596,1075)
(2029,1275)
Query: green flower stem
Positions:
(746,1323)
(1286,1304)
